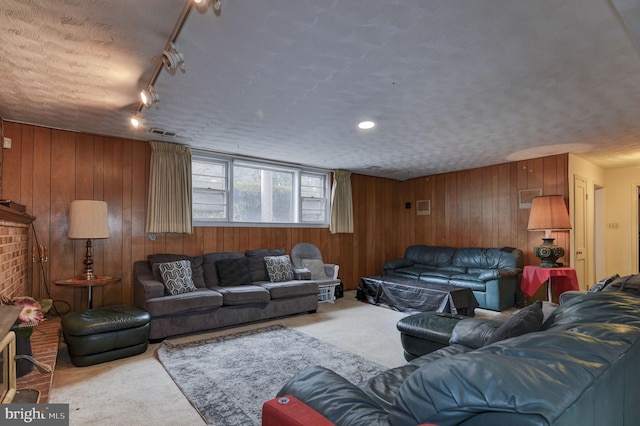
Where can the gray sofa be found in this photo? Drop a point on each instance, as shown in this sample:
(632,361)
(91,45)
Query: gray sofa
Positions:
(493,274)
(230,289)
(580,368)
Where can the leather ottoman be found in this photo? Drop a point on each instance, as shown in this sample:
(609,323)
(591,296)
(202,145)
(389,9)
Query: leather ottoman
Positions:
(425,332)
(105,334)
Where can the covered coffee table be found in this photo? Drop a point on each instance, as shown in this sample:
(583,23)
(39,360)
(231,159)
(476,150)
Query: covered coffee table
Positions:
(407,295)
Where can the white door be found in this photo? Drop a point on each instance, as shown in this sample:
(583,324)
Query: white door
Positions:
(580,229)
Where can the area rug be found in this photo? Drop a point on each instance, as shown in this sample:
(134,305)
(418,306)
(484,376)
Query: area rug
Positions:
(228,378)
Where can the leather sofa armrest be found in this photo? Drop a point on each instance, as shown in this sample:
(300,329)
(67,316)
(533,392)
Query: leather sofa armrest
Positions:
(398,263)
(510,272)
(288,410)
(334,397)
(473,332)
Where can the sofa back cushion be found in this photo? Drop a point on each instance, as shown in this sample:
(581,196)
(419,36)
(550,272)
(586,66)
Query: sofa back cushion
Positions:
(614,307)
(211,278)
(541,374)
(600,285)
(233,271)
(197,271)
(488,258)
(430,255)
(257,266)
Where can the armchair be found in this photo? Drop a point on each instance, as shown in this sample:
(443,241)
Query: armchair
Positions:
(308,256)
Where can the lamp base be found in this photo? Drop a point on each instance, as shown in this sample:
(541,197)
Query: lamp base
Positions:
(88,263)
(548,253)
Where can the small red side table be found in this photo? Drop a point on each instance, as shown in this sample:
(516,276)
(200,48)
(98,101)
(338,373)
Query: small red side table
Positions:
(564,279)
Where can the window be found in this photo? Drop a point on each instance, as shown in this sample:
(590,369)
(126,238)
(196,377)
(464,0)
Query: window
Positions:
(229,190)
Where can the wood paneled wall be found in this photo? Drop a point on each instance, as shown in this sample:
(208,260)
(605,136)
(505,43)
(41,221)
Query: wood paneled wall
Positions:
(480,207)
(47,168)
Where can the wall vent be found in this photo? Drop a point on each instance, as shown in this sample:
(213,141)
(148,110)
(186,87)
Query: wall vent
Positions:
(162,132)
(423,207)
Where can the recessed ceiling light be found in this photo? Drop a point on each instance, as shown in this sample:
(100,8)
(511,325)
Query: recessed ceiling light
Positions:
(366,125)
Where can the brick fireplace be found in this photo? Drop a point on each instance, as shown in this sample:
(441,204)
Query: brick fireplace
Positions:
(14,259)
(14,281)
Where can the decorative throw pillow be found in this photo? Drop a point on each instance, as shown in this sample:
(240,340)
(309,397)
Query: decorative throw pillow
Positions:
(176,276)
(602,284)
(316,266)
(279,268)
(233,271)
(255,260)
(526,320)
(196,266)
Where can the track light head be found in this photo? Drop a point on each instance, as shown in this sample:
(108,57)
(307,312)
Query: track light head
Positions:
(203,5)
(149,97)
(136,121)
(172,59)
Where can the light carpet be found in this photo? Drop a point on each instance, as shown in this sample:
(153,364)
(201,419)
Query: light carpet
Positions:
(228,378)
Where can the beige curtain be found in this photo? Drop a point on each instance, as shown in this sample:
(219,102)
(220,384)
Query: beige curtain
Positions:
(341,203)
(169,201)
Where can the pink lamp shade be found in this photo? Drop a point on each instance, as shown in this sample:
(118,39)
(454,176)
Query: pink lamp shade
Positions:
(548,213)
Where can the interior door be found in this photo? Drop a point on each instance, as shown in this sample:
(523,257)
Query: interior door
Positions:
(580,229)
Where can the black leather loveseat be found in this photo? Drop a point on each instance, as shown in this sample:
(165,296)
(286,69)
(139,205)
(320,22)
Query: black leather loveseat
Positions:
(579,369)
(493,274)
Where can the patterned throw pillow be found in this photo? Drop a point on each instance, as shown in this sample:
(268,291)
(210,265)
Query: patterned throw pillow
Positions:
(279,268)
(176,277)
(316,266)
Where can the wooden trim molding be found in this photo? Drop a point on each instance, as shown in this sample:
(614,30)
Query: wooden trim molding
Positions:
(12,215)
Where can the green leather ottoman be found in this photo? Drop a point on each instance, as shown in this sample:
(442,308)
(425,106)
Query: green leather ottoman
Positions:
(424,333)
(105,334)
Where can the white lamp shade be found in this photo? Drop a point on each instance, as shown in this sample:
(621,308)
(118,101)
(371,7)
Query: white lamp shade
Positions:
(88,219)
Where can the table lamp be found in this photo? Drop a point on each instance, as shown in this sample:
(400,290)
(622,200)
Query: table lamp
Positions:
(88,220)
(548,213)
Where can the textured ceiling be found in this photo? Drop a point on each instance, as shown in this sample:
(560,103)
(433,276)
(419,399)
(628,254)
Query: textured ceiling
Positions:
(451,84)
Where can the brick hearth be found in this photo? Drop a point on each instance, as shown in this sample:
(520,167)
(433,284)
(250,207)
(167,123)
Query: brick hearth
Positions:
(45,350)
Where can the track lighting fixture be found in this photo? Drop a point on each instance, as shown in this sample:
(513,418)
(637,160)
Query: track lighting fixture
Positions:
(202,6)
(172,59)
(136,121)
(149,97)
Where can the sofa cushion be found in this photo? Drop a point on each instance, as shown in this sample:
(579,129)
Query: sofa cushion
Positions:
(210,271)
(316,267)
(244,295)
(257,266)
(526,320)
(473,332)
(279,268)
(411,271)
(430,255)
(233,272)
(488,258)
(202,299)
(285,289)
(176,276)
(197,271)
